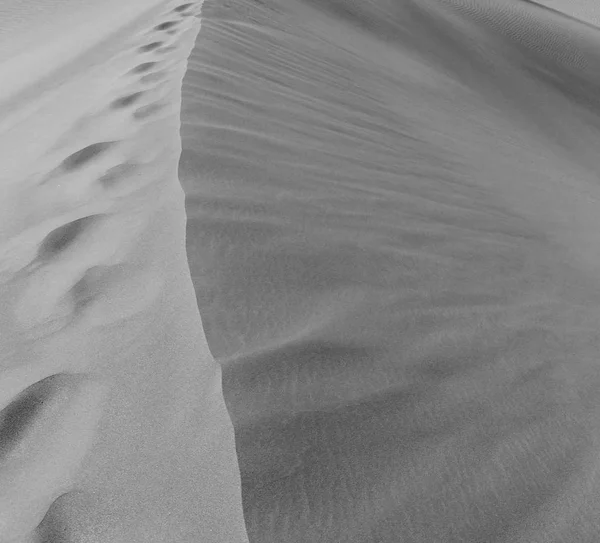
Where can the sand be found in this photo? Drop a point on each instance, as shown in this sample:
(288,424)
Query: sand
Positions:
(114,427)
(396,207)
(388,214)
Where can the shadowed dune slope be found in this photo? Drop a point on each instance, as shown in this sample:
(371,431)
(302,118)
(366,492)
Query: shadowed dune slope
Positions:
(393,213)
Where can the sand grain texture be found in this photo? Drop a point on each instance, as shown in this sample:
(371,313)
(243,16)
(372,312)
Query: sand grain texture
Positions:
(395,212)
(114,427)
(392,215)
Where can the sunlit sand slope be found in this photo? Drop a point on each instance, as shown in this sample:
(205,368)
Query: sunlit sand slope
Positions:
(396,207)
(113,427)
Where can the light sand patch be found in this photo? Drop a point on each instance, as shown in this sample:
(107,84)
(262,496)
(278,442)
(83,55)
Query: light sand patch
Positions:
(95,282)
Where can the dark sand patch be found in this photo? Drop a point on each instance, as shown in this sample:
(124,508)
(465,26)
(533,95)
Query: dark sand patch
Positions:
(393,210)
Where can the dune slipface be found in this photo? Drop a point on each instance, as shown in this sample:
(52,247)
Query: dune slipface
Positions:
(401,205)
(113,426)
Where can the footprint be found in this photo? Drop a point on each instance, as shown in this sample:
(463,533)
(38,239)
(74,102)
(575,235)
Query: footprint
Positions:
(182,7)
(105,295)
(154,77)
(85,155)
(17,417)
(126,101)
(62,237)
(45,300)
(149,110)
(38,245)
(144,67)
(126,179)
(168,48)
(117,175)
(42,321)
(50,452)
(166,26)
(150,47)
(88,287)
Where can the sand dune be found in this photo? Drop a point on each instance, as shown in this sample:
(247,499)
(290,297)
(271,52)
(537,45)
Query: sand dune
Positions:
(394,208)
(389,210)
(113,425)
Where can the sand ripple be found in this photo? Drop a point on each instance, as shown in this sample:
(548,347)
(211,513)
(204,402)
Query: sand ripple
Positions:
(395,210)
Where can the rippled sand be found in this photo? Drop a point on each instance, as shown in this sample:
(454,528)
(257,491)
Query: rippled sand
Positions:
(113,426)
(395,210)
(392,216)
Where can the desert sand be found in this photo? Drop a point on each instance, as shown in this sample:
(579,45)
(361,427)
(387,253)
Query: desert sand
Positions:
(302,271)
(113,427)
(396,209)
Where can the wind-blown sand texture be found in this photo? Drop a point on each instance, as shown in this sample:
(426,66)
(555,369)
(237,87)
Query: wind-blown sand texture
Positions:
(396,211)
(392,231)
(113,428)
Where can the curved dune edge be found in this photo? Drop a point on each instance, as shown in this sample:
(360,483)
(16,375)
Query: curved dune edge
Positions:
(136,443)
(96,295)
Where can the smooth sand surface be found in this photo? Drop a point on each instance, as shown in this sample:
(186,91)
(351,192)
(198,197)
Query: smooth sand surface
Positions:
(395,215)
(113,427)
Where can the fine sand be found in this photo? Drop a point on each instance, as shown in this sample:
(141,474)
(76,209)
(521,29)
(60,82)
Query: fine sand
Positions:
(394,217)
(113,428)
(392,223)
